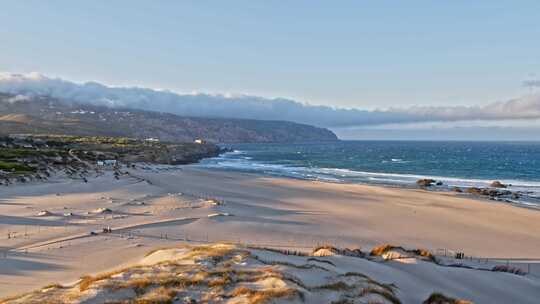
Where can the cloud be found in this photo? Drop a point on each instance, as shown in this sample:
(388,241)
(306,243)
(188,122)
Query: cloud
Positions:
(254,107)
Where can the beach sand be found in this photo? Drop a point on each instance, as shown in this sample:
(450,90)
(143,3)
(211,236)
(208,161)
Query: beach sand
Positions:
(160,208)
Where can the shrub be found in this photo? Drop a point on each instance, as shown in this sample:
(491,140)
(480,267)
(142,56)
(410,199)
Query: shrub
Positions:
(509,269)
(439,298)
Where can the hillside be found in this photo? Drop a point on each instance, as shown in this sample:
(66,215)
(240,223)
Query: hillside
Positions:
(45,115)
(30,158)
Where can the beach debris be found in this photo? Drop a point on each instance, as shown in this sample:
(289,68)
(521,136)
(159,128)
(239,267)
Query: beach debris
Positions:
(214,202)
(44,213)
(219,214)
(488,192)
(425,182)
(102,210)
(457,189)
(498,184)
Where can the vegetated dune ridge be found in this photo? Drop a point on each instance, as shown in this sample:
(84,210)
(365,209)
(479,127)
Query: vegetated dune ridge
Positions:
(46,115)
(28,158)
(224,273)
(162,206)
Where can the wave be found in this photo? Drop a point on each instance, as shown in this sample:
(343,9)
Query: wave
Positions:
(239,161)
(342,174)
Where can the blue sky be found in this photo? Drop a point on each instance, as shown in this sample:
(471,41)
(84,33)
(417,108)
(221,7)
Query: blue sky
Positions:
(340,53)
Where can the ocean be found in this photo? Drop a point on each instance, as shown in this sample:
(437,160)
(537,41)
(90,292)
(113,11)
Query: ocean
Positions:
(396,163)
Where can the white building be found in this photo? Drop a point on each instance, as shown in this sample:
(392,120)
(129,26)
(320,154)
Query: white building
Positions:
(107,162)
(110,162)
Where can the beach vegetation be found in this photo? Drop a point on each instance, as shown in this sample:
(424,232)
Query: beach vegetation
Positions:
(509,269)
(439,298)
(265,295)
(388,295)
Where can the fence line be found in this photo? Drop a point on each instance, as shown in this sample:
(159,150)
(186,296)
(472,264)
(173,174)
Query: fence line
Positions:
(526,265)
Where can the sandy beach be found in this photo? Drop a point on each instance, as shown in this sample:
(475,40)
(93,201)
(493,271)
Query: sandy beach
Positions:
(46,228)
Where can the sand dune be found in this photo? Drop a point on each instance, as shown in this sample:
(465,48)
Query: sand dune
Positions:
(222,273)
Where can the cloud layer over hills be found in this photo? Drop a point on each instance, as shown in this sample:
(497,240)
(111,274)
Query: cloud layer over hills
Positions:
(254,107)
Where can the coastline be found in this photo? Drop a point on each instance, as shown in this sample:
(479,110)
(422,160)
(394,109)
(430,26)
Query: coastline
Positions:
(444,189)
(511,190)
(168,205)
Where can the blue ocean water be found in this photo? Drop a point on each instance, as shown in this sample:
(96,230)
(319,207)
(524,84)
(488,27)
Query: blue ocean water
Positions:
(401,163)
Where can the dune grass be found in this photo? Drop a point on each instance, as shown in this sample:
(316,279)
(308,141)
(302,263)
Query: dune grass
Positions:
(212,273)
(264,296)
(439,298)
(388,295)
(508,269)
(382,249)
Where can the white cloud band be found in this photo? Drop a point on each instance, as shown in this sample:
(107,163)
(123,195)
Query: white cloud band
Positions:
(254,107)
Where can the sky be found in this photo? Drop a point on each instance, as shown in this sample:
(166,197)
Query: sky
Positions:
(346,54)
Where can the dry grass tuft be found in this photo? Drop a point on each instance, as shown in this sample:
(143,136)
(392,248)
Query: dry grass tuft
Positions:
(139,285)
(264,296)
(509,269)
(87,281)
(219,282)
(159,249)
(336,286)
(242,290)
(53,285)
(439,298)
(344,301)
(282,251)
(160,295)
(382,249)
(287,264)
(321,261)
(425,253)
(386,294)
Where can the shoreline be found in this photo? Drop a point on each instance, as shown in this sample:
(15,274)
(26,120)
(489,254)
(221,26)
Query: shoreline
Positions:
(434,189)
(460,166)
